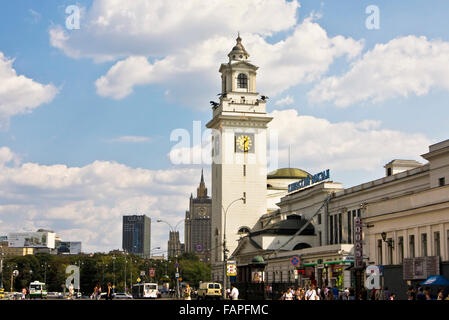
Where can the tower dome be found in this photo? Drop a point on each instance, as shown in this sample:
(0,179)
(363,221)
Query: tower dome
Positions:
(238,52)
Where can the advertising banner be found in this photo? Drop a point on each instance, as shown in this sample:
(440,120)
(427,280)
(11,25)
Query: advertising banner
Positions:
(32,240)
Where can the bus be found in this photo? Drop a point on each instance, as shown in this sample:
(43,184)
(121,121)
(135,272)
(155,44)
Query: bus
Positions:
(37,290)
(146,290)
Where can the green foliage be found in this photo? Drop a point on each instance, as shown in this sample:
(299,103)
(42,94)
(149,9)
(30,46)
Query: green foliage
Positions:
(100,269)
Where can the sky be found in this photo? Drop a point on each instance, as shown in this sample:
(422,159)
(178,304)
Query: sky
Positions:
(90,108)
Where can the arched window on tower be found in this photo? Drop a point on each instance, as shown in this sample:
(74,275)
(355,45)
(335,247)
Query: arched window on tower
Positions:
(243,230)
(242,81)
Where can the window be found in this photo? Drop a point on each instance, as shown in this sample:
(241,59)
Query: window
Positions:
(319,218)
(320,243)
(242,81)
(411,246)
(442,182)
(379,251)
(389,172)
(340,229)
(349,227)
(436,241)
(390,251)
(400,249)
(424,244)
(331,229)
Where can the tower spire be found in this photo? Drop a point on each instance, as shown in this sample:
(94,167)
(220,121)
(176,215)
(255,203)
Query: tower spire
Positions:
(201,191)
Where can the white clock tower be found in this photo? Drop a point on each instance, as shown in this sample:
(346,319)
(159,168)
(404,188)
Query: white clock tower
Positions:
(239,167)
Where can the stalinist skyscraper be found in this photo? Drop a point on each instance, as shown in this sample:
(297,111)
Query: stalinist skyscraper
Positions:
(198,223)
(239,167)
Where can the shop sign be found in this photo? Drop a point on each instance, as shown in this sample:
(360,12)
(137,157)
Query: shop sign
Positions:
(358,244)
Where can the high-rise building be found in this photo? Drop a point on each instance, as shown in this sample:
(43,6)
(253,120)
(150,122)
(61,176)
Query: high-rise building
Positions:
(137,235)
(197,232)
(174,248)
(239,155)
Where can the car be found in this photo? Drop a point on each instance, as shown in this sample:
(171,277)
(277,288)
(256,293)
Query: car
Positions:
(2,293)
(122,295)
(209,290)
(54,295)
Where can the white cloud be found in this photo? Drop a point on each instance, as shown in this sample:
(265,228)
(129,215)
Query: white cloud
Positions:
(399,68)
(288,100)
(112,29)
(131,139)
(87,203)
(302,57)
(19,94)
(318,143)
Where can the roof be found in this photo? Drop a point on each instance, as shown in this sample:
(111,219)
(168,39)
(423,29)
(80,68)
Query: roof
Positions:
(288,173)
(288,226)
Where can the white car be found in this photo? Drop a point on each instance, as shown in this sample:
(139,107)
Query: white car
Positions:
(122,295)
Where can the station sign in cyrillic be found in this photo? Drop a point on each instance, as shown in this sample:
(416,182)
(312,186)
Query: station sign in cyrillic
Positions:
(358,244)
(309,181)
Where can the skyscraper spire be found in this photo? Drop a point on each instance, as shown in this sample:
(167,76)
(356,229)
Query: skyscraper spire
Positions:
(202,190)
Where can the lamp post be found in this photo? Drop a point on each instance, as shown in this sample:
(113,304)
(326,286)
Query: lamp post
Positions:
(176,251)
(151,262)
(225,250)
(45,266)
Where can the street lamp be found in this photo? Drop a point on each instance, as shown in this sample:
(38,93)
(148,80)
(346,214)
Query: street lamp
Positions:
(45,266)
(176,251)
(225,250)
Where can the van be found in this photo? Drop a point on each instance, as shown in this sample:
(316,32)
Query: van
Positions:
(209,290)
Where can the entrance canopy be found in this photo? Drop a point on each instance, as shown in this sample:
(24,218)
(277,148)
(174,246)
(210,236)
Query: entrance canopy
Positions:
(436,281)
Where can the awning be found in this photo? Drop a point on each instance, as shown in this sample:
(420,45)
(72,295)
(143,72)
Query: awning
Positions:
(436,281)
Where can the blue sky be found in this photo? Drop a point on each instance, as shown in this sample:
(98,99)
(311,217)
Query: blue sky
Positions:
(80,126)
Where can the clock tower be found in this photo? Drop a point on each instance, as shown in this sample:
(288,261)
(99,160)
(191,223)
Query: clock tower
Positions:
(239,153)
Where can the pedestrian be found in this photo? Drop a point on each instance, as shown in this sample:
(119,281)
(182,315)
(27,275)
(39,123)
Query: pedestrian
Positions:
(234,295)
(363,294)
(98,297)
(411,293)
(351,293)
(289,294)
(24,293)
(330,294)
(71,291)
(440,295)
(335,292)
(427,293)
(311,293)
(187,293)
(392,296)
(109,293)
(386,294)
(380,294)
(421,295)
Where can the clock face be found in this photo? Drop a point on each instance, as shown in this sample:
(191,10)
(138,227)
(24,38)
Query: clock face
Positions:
(202,211)
(244,142)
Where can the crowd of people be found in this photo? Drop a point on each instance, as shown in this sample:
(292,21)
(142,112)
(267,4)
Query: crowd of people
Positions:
(328,293)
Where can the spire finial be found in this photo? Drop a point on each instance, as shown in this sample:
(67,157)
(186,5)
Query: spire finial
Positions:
(202,176)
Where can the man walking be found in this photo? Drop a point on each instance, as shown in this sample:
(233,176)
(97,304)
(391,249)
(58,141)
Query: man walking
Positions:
(234,295)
